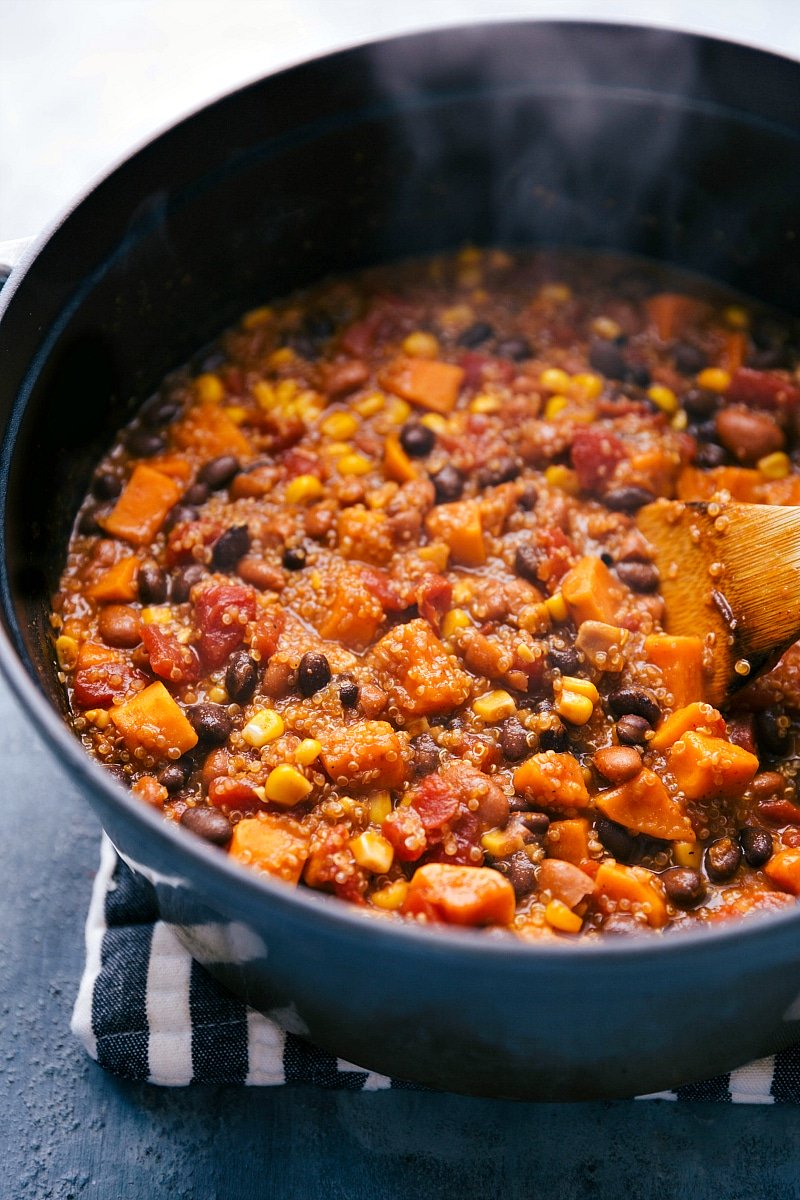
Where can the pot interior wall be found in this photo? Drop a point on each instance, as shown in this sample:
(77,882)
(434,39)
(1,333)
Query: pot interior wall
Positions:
(656,143)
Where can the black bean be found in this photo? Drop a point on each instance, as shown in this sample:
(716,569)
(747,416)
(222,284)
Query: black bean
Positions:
(294,558)
(426,754)
(184,580)
(515,348)
(627,499)
(607,358)
(313,673)
(700,405)
(152,583)
(756,846)
(218,472)
(710,455)
(416,439)
(106,486)
(241,677)
(688,358)
(537,823)
(303,346)
(208,823)
(348,693)
(499,470)
(639,576)
(88,522)
(449,484)
(196,495)
(635,702)
(566,661)
(616,839)
(117,773)
(527,561)
(159,411)
(685,888)
(319,325)
(480,332)
(513,739)
(638,374)
(519,871)
(723,858)
(211,722)
(174,776)
(528,499)
(229,547)
(179,514)
(632,731)
(141,443)
(554,738)
(772,737)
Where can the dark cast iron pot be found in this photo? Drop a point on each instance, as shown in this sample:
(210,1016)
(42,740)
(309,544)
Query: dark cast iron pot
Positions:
(653,142)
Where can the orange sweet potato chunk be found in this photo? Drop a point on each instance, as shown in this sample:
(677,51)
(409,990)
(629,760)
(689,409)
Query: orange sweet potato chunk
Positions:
(425,382)
(743,483)
(592,593)
(272,843)
(354,616)
(569,840)
(210,431)
(784,870)
(154,721)
(709,767)
(552,780)
(142,506)
(418,673)
(698,716)
(644,805)
(673,312)
(364,754)
(460,895)
(460,526)
(636,885)
(118,584)
(365,535)
(680,660)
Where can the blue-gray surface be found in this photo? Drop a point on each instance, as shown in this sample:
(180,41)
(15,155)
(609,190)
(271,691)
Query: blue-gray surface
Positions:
(68,1130)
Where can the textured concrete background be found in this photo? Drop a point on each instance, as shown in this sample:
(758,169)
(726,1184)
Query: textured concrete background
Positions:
(81,81)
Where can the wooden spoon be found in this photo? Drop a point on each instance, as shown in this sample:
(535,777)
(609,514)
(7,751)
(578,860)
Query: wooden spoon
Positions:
(730,573)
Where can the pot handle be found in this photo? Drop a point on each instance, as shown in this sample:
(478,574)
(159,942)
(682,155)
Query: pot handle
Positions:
(10,254)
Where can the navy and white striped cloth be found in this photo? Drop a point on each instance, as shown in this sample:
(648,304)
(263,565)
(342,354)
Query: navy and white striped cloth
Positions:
(146,1010)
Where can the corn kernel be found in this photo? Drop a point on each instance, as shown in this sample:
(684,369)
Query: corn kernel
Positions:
(534,618)
(553,379)
(303,489)
(99,717)
(308,750)
(583,687)
(391,897)
(437,553)
(257,317)
(335,449)
(586,386)
(563,478)
(573,707)
(555,293)
(372,852)
(714,379)
(775,466)
(680,421)
(265,395)
(434,421)
(66,652)
(236,413)
(606,328)
(380,806)
(485,404)
(371,404)
(454,620)
(736,317)
(463,591)
(282,357)
(308,406)
(399,411)
(286,786)
(263,727)
(469,256)
(420,345)
(208,388)
(156,615)
(663,398)
(502,842)
(339,426)
(460,316)
(554,406)
(353,464)
(559,917)
(218,695)
(556,606)
(494,706)
(688,854)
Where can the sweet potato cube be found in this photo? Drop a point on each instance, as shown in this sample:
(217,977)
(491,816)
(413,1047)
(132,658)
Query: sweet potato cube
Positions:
(365,535)
(142,506)
(272,843)
(592,593)
(425,382)
(552,780)
(354,615)
(364,754)
(743,483)
(635,884)
(644,805)
(118,584)
(672,312)
(460,525)
(698,716)
(784,870)
(418,673)
(565,881)
(461,895)
(396,463)
(153,720)
(569,840)
(210,431)
(680,660)
(710,768)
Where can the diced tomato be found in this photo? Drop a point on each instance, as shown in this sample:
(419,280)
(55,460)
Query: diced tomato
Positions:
(266,632)
(403,828)
(762,389)
(234,795)
(436,802)
(102,677)
(381,324)
(596,453)
(741,732)
(557,555)
(331,867)
(222,612)
(169,659)
(778,811)
(379,585)
(465,833)
(187,536)
(433,598)
(300,462)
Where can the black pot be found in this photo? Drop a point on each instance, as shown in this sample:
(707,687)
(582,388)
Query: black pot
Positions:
(659,143)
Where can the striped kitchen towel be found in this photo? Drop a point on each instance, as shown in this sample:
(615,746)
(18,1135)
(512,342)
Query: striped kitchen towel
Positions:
(146,1010)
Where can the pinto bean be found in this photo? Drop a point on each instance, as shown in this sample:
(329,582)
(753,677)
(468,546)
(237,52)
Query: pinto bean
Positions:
(747,434)
(120,626)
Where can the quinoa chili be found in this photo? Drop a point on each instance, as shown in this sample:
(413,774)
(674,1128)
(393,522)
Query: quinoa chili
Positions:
(361,599)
